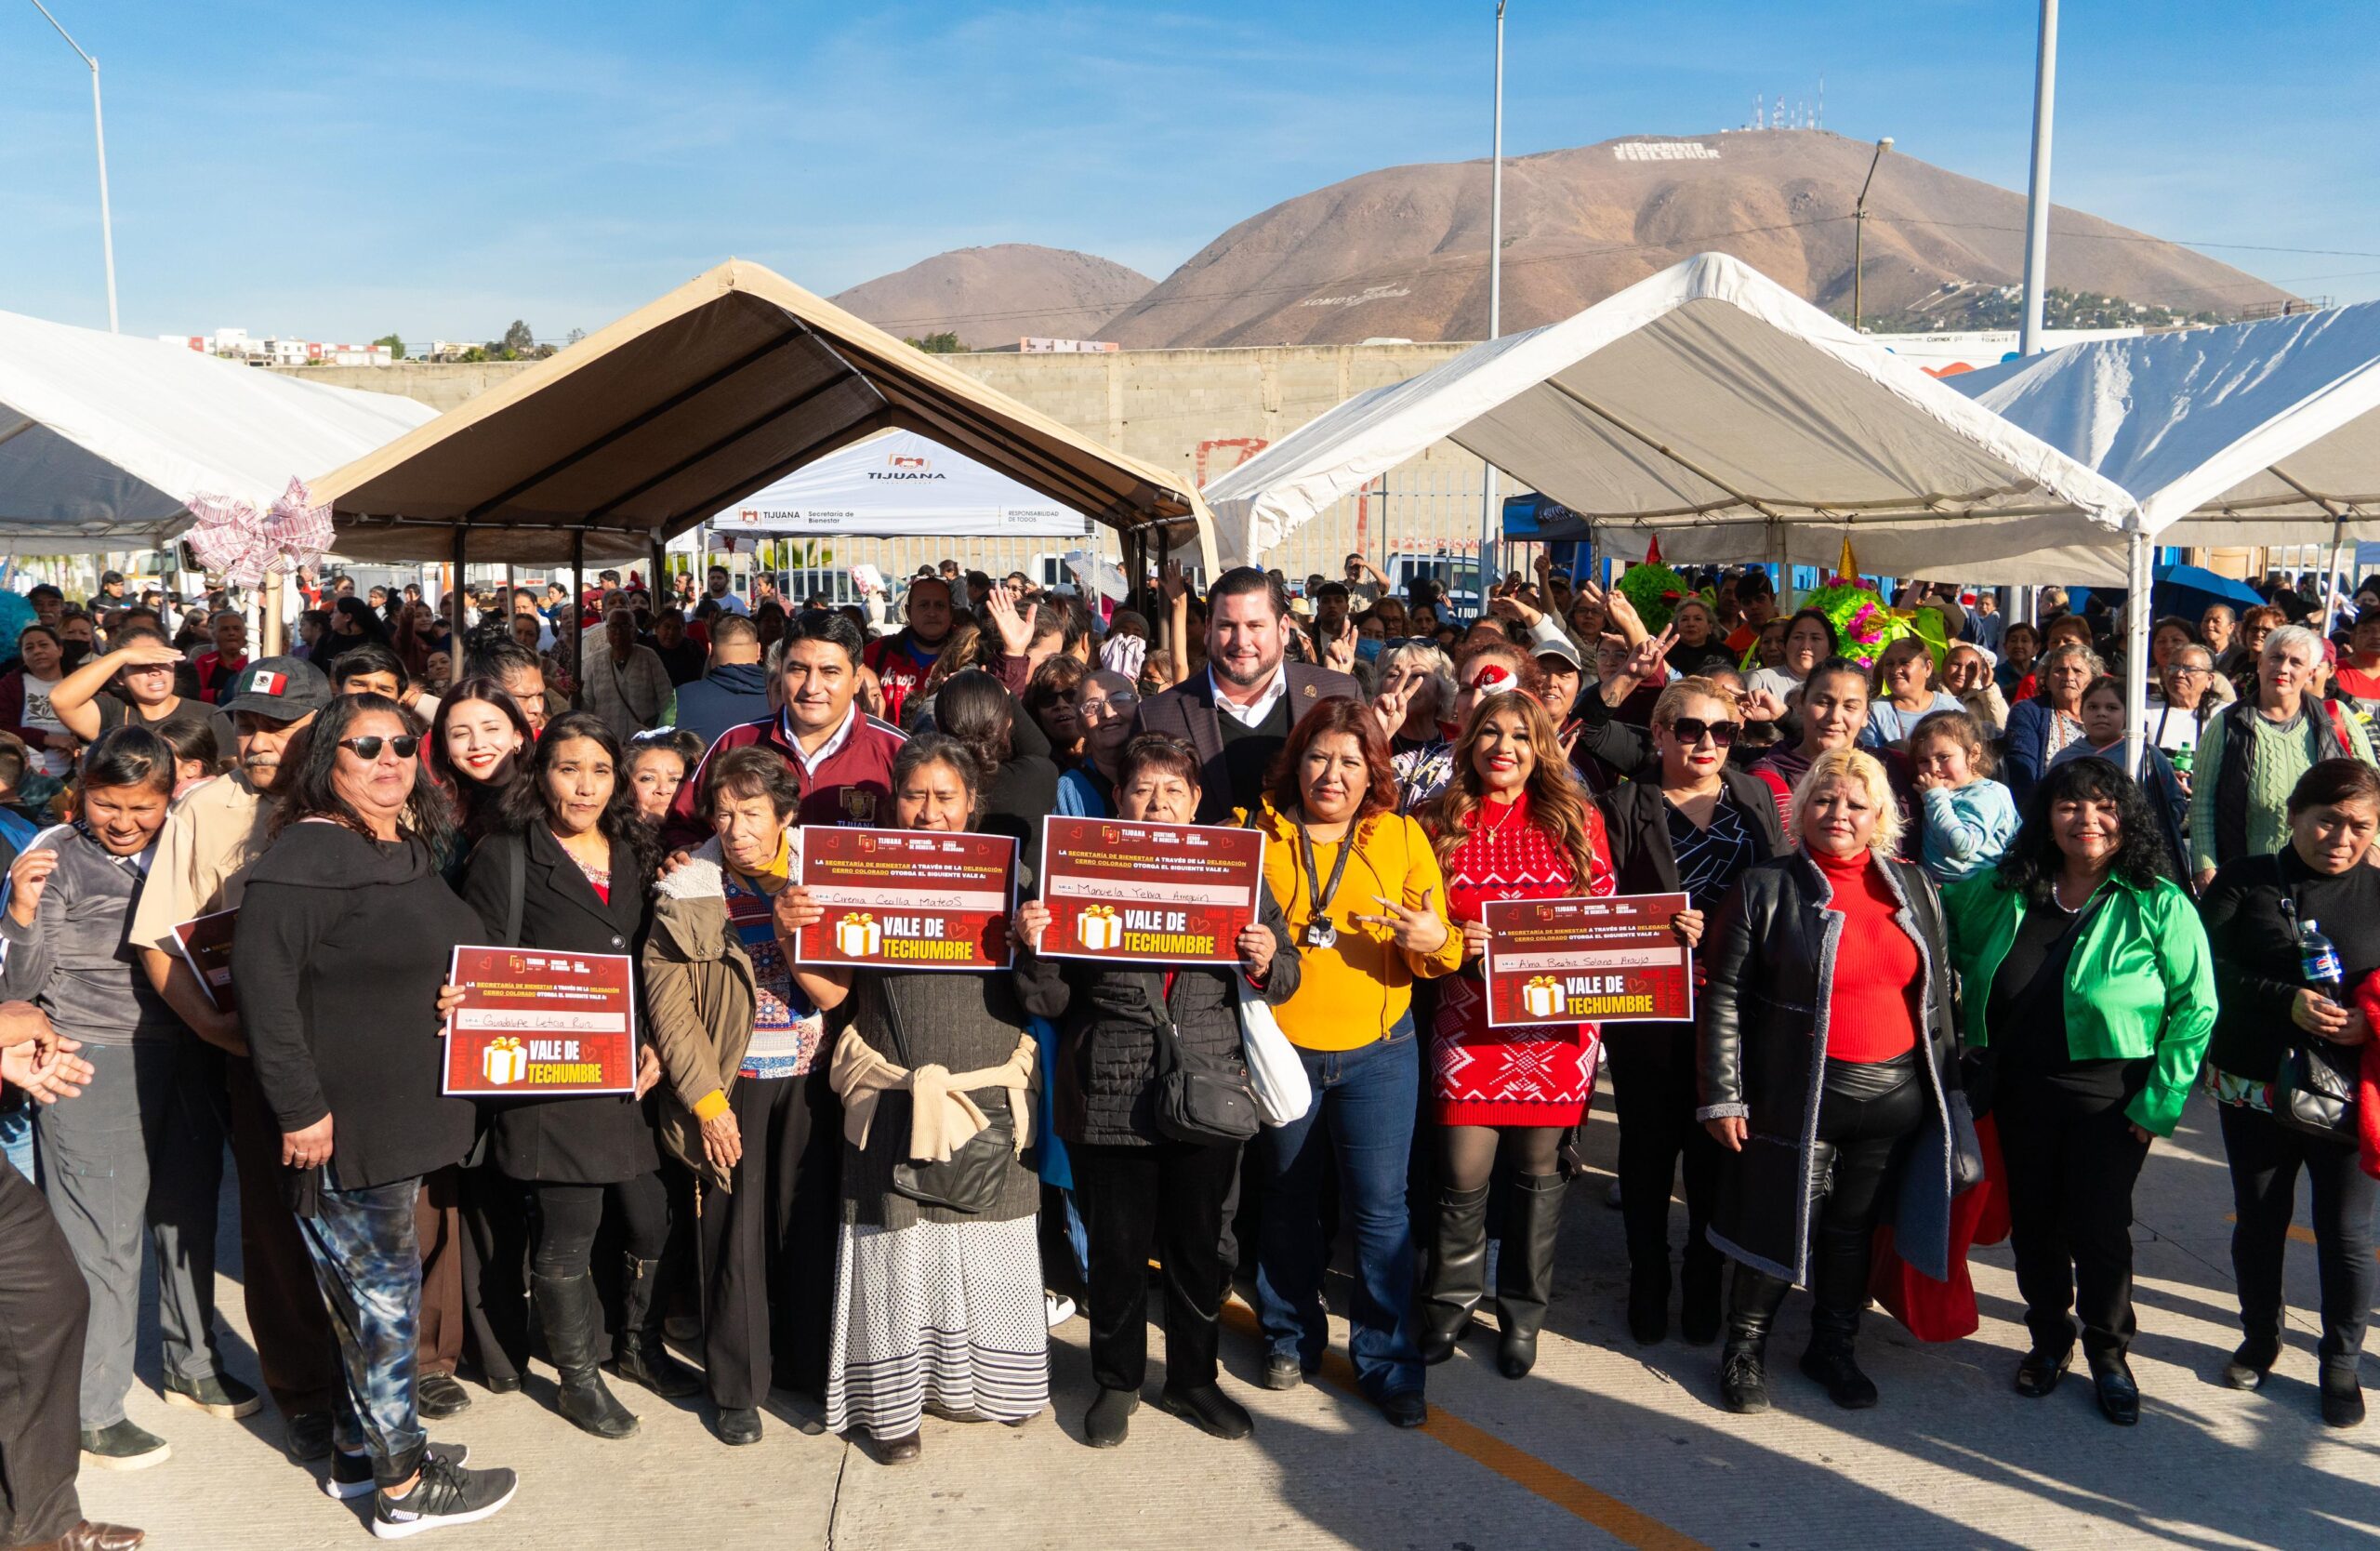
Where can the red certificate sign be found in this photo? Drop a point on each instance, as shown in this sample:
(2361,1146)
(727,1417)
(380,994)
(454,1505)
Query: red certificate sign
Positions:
(535,1023)
(1576,960)
(908,898)
(1175,894)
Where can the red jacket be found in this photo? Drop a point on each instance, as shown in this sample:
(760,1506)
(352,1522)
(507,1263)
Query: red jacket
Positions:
(853,786)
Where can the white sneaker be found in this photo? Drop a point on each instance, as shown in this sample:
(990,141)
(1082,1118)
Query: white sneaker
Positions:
(1058,1306)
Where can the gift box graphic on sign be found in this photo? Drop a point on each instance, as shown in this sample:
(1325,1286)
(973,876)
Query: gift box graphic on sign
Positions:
(504,1061)
(1099,927)
(858,937)
(1542,996)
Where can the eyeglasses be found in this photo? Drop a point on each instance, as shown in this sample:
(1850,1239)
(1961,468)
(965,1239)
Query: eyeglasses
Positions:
(1691,730)
(1116,704)
(367,749)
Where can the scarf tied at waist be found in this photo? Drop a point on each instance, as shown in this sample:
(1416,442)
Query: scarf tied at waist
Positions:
(942,1117)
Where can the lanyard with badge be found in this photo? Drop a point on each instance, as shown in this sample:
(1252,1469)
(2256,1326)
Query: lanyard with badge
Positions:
(1321,931)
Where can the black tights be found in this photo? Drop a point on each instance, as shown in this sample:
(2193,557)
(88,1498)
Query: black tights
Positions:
(569,1215)
(1468,1152)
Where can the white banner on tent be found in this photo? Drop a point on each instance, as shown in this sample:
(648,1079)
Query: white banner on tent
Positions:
(896,484)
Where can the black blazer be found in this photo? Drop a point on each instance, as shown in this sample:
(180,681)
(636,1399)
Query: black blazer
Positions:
(1637,827)
(596,1140)
(1187,711)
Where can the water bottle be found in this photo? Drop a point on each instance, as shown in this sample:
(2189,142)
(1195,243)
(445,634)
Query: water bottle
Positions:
(2318,961)
(2184,758)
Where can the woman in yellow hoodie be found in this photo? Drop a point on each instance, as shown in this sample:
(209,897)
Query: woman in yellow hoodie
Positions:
(1365,902)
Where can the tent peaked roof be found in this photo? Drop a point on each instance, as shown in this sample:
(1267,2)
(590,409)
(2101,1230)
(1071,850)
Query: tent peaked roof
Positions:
(688,405)
(1700,400)
(105,440)
(2261,432)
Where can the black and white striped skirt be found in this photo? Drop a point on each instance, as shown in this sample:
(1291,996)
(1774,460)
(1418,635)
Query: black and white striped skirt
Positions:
(943,1313)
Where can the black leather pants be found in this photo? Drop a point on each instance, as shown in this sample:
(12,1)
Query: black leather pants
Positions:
(1869,1111)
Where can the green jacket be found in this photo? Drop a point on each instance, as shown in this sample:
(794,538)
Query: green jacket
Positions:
(2141,982)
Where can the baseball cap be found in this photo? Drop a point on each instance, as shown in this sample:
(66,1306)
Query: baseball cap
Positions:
(282,688)
(1560,647)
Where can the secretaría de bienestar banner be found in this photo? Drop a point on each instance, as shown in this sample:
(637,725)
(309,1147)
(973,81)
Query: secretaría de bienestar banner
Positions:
(917,899)
(1176,894)
(1577,961)
(537,1023)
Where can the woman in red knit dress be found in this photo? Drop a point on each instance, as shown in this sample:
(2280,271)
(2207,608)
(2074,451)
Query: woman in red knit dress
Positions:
(1513,824)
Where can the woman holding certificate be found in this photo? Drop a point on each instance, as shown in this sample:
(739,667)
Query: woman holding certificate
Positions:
(938,1273)
(1364,899)
(565,871)
(1512,823)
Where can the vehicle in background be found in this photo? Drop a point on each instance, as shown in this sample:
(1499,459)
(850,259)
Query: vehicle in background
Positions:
(1457,576)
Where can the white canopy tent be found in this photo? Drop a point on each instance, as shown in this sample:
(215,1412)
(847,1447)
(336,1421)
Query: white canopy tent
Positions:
(105,440)
(1710,406)
(2252,433)
(895,484)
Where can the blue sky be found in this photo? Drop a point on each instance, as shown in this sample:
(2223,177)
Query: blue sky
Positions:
(440,168)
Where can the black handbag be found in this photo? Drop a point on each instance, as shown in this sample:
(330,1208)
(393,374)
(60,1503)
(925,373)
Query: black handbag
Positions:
(2314,1091)
(969,1179)
(1200,1101)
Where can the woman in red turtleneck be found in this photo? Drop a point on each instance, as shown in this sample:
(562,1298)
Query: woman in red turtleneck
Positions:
(1828,1054)
(1512,822)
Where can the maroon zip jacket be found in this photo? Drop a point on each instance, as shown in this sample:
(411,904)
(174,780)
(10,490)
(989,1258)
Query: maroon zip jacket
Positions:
(852,786)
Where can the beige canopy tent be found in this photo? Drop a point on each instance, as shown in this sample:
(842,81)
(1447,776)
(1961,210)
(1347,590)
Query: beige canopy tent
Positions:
(713,392)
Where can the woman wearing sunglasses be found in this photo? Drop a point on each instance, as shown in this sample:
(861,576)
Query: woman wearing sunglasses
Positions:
(346,935)
(1694,827)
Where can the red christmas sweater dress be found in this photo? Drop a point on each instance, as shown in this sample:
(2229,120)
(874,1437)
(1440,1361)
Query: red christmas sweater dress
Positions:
(1541,1075)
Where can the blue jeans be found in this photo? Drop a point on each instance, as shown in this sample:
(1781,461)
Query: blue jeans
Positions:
(369,1263)
(1360,1123)
(17,1138)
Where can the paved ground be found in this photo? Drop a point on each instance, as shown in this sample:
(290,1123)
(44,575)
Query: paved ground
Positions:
(1606,1443)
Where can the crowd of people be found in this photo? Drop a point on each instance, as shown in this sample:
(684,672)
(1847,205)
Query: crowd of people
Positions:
(1920,894)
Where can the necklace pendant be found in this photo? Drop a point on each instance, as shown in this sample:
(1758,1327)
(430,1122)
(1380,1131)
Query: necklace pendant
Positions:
(1321,931)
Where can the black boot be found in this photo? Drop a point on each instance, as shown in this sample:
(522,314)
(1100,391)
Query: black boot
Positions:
(1649,1301)
(638,1351)
(1458,1272)
(1832,1358)
(1702,1293)
(567,1307)
(1525,1268)
(1752,1298)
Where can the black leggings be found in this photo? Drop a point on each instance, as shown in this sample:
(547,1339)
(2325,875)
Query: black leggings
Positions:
(1867,1113)
(569,1215)
(1652,1066)
(2265,1157)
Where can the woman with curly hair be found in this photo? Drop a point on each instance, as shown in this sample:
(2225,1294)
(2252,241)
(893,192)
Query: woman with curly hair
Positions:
(1512,823)
(2090,989)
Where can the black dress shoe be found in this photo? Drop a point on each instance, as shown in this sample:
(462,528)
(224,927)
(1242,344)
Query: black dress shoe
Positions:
(899,1450)
(306,1437)
(2038,1374)
(1406,1408)
(2342,1399)
(1110,1417)
(2252,1364)
(738,1425)
(437,1396)
(2119,1396)
(1283,1373)
(1208,1408)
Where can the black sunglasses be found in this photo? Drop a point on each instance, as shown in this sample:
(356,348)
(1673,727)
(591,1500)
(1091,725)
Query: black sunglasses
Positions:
(368,748)
(1691,730)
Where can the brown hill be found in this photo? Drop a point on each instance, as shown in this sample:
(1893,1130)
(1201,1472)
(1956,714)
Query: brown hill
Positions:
(994,295)
(1403,252)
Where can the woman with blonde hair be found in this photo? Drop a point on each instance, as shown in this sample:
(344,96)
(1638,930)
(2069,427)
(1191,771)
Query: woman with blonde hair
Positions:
(1828,1052)
(1512,823)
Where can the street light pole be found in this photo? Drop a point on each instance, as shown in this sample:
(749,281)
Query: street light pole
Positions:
(1859,230)
(1487,522)
(99,131)
(2037,193)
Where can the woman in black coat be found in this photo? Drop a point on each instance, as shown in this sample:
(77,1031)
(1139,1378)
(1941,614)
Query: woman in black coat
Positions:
(1141,1190)
(1828,1055)
(566,872)
(1692,825)
(2266,1008)
(346,934)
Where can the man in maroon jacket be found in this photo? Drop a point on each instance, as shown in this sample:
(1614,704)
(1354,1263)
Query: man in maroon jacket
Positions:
(842,758)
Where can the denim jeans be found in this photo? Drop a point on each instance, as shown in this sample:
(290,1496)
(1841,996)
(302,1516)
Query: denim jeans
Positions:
(368,1259)
(17,1138)
(1360,1123)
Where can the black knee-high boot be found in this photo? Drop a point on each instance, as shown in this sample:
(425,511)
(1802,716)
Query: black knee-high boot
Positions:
(638,1352)
(1753,1300)
(1458,1272)
(567,1308)
(1525,1268)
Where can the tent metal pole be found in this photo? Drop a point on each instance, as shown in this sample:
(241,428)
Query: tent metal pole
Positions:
(1783,555)
(577,631)
(270,628)
(2136,653)
(456,591)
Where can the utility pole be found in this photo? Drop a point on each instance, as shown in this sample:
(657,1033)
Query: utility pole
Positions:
(2037,193)
(1859,230)
(99,131)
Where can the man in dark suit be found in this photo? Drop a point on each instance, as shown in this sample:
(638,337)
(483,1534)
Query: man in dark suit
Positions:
(1238,713)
